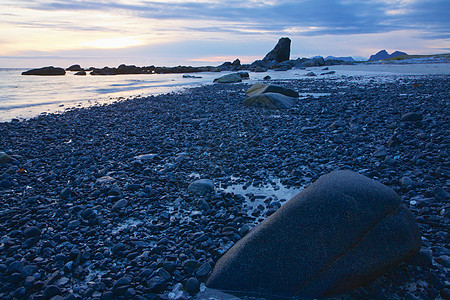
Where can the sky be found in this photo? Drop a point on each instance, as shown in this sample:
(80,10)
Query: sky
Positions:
(36,33)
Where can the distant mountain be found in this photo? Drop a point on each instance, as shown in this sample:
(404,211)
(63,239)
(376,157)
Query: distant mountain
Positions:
(346,58)
(384,55)
(379,56)
(397,53)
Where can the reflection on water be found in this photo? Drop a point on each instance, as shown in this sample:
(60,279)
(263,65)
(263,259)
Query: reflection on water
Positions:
(28,96)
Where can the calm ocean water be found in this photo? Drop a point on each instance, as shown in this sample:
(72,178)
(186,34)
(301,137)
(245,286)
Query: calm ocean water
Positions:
(28,96)
(24,97)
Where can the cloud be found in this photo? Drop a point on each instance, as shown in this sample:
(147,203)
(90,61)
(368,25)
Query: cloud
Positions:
(59,25)
(331,16)
(196,29)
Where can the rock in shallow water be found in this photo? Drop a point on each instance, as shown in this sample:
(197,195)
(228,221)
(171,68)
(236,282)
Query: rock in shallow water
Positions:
(45,71)
(341,232)
(230,78)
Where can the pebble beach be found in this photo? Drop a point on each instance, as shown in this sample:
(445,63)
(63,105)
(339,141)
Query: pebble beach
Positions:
(96,204)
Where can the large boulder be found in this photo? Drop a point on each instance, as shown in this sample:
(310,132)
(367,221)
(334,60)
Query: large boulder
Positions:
(45,71)
(259,88)
(341,232)
(270,101)
(229,78)
(281,52)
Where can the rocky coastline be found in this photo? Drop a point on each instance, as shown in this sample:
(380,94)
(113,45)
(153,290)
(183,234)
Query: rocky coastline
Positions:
(257,66)
(99,202)
(277,59)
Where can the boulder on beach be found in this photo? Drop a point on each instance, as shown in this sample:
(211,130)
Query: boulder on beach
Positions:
(281,52)
(310,74)
(259,88)
(270,96)
(244,75)
(80,73)
(229,78)
(341,232)
(191,76)
(45,71)
(270,101)
(328,73)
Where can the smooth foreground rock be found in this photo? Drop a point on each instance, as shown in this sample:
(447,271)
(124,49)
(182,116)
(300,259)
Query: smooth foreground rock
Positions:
(259,88)
(45,71)
(270,101)
(341,232)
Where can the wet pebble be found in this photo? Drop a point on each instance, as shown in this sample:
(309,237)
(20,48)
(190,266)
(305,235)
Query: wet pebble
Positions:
(52,291)
(192,286)
(122,203)
(31,231)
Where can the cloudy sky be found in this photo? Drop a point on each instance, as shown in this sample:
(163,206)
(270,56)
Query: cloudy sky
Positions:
(199,32)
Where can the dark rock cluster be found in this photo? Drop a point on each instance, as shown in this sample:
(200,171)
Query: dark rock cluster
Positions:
(277,59)
(95,202)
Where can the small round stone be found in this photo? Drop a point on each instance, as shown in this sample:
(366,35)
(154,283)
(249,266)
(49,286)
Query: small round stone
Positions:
(192,286)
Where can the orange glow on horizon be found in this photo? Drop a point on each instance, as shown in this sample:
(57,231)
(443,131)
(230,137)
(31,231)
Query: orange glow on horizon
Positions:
(215,59)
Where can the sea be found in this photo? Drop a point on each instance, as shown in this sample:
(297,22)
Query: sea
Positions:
(24,97)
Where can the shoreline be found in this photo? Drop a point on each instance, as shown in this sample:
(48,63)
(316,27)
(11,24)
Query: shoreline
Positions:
(175,83)
(77,179)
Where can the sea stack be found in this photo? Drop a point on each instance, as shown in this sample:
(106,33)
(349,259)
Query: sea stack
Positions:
(281,52)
